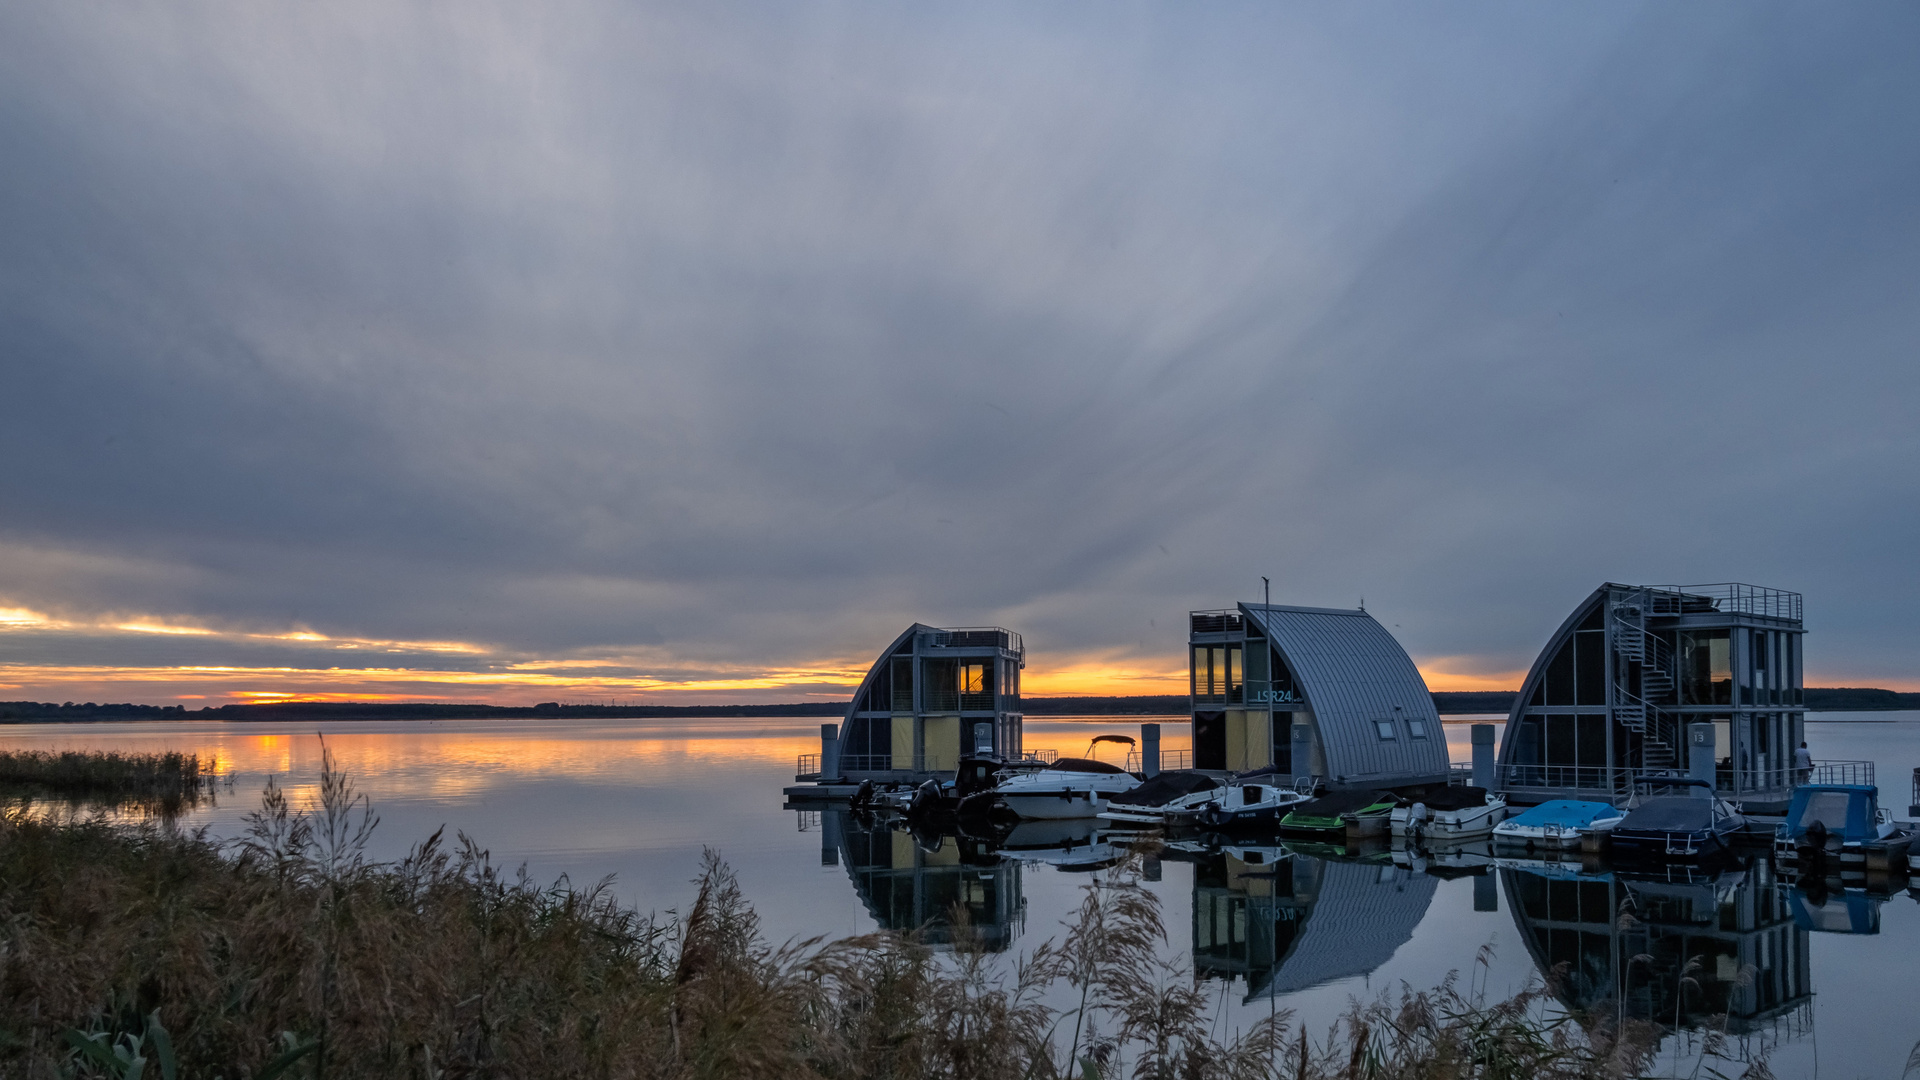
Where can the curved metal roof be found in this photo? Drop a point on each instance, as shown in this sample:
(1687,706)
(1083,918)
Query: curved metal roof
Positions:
(1352,672)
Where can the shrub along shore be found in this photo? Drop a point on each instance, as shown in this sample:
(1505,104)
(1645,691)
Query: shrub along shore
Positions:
(290,953)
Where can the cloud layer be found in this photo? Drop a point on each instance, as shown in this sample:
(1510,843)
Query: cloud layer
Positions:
(715,339)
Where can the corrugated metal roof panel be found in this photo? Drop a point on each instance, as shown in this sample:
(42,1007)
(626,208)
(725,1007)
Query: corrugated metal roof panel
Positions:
(1352,673)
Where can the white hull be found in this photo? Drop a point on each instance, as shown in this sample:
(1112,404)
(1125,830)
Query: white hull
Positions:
(1055,807)
(1537,839)
(1472,823)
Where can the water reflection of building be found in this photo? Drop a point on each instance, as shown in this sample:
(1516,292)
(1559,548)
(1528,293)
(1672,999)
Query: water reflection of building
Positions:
(1293,922)
(917,883)
(1728,943)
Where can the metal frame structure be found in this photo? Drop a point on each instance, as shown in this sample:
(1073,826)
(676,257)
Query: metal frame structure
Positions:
(1325,694)
(1610,696)
(931,696)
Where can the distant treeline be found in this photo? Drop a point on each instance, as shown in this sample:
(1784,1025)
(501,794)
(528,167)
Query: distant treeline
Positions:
(1835,699)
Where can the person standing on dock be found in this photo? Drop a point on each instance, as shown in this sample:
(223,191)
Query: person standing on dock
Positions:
(1802,764)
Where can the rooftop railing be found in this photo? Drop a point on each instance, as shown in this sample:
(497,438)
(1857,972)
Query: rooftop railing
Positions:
(1214,622)
(1731,597)
(975,637)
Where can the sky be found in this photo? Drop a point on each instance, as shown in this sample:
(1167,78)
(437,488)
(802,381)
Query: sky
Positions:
(687,353)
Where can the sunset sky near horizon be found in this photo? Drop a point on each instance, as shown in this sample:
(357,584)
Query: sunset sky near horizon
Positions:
(687,353)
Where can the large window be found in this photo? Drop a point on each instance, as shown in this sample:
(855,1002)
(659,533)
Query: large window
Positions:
(1577,674)
(976,684)
(1217,673)
(1706,668)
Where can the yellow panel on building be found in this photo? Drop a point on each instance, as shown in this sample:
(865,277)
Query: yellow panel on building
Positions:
(903,740)
(1236,740)
(1259,739)
(942,743)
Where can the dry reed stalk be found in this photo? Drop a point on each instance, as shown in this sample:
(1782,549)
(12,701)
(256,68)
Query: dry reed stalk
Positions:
(292,942)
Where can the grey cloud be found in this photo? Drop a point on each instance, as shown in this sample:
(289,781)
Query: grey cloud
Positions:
(754,335)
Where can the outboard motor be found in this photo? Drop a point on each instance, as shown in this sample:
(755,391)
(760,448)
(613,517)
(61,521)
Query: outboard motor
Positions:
(1813,843)
(862,796)
(925,798)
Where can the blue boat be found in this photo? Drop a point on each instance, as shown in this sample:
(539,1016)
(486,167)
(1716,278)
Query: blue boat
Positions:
(1840,826)
(1557,824)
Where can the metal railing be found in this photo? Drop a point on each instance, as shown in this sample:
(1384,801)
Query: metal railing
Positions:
(1045,757)
(975,637)
(808,766)
(1459,775)
(1727,596)
(1170,760)
(1214,622)
(1842,772)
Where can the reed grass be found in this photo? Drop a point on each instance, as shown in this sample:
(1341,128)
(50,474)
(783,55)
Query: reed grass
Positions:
(291,953)
(108,776)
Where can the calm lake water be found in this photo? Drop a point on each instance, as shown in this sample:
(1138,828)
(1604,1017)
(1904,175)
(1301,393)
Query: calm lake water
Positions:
(1267,928)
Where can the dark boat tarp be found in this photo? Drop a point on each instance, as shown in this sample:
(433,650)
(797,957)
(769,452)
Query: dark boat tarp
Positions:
(1340,802)
(1669,814)
(1451,798)
(1166,787)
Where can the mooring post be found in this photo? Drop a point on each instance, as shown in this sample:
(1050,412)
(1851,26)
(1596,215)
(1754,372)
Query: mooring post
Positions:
(1483,756)
(1486,891)
(829,751)
(1700,757)
(1150,750)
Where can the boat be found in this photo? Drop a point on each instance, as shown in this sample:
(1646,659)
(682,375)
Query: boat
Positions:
(1556,825)
(1847,911)
(1353,813)
(1680,827)
(1250,805)
(1840,826)
(1165,799)
(1066,788)
(1458,812)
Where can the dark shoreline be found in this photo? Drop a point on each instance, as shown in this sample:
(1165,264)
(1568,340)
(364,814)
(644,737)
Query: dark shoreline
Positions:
(1818,699)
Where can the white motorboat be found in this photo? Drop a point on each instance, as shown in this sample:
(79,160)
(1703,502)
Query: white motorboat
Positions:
(1448,814)
(1247,805)
(1067,788)
(1163,798)
(1558,824)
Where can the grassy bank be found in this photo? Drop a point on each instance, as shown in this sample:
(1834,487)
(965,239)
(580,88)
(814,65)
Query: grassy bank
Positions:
(291,954)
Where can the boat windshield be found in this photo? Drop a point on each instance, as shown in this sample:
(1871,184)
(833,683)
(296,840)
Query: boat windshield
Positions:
(1829,808)
(1080,764)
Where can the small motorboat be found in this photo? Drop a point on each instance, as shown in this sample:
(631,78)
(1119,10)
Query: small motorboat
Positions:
(1351,813)
(1556,825)
(1841,826)
(1164,799)
(1451,813)
(1677,827)
(1067,788)
(1246,804)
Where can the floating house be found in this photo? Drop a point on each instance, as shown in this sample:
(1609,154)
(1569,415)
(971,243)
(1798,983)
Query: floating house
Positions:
(931,696)
(1613,692)
(1325,693)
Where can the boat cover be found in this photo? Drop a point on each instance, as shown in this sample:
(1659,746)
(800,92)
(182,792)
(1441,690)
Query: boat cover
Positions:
(1081,764)
(1566,813)
(1670,814)
(1846,809)
(1166,787)
(1450,798)
(1336,803)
